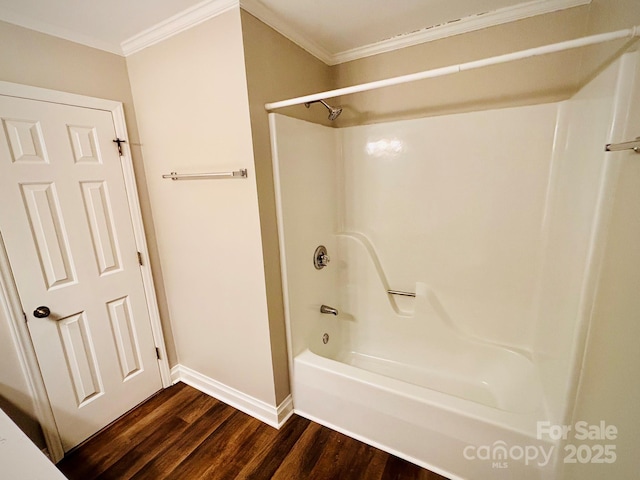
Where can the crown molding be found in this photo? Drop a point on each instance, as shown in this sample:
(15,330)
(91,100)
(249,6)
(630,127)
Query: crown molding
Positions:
(211,8)
(266,15)
(178,23)
(457,27)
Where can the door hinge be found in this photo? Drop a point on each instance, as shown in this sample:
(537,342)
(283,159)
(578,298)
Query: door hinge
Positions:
(119,141)
(25,317)
(158,353)
(140,258)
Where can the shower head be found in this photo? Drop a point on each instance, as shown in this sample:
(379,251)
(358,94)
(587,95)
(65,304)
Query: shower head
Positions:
(334,112)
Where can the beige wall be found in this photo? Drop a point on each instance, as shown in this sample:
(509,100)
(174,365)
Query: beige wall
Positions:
(50,62)
(607,16)
(44,61)
(190,93)
(276,69)
(537,80)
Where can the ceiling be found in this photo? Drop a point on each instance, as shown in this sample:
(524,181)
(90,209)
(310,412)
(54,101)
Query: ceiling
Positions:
(332,30)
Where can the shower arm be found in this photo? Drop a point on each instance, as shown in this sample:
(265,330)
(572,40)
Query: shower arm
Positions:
(334,112)
(308,104)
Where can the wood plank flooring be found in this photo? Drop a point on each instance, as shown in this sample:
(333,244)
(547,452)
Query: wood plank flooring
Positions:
(184,434)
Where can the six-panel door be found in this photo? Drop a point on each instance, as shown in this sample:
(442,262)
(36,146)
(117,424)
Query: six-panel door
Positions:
(65,222)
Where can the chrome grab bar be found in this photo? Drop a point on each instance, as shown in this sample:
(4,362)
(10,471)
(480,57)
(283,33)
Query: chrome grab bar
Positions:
(616,147)
(398,292)
(196,176)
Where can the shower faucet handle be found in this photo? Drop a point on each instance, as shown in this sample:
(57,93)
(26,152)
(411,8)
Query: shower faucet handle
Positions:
(324,259)
(320,257)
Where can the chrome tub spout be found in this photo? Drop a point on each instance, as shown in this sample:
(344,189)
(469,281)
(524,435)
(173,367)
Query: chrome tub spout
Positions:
(327,309)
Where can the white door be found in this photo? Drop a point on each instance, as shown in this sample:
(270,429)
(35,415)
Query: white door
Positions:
(66,226)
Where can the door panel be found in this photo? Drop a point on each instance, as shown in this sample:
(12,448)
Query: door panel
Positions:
(49,235)
(96,204)
(80,357)
(25,140)
(65,219)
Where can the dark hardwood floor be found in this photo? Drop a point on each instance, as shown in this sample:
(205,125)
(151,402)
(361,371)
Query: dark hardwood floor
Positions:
(184,434)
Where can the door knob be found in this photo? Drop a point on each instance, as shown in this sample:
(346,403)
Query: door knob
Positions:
(41,312)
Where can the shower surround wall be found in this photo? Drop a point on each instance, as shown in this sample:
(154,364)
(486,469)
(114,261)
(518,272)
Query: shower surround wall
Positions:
(456,202)
(494,217)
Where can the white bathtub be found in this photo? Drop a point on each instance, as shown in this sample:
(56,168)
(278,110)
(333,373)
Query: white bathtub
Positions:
(397,373)
(484,374)
(450,435)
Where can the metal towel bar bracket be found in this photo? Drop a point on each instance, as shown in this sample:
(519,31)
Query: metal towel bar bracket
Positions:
(616,147)
(197,176)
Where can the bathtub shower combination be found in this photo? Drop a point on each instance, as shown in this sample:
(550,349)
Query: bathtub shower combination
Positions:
(460,263)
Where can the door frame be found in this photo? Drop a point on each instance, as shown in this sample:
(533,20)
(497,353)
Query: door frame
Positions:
(9,298)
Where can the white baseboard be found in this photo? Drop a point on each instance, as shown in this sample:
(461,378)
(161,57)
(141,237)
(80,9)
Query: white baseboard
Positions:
(269,414)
